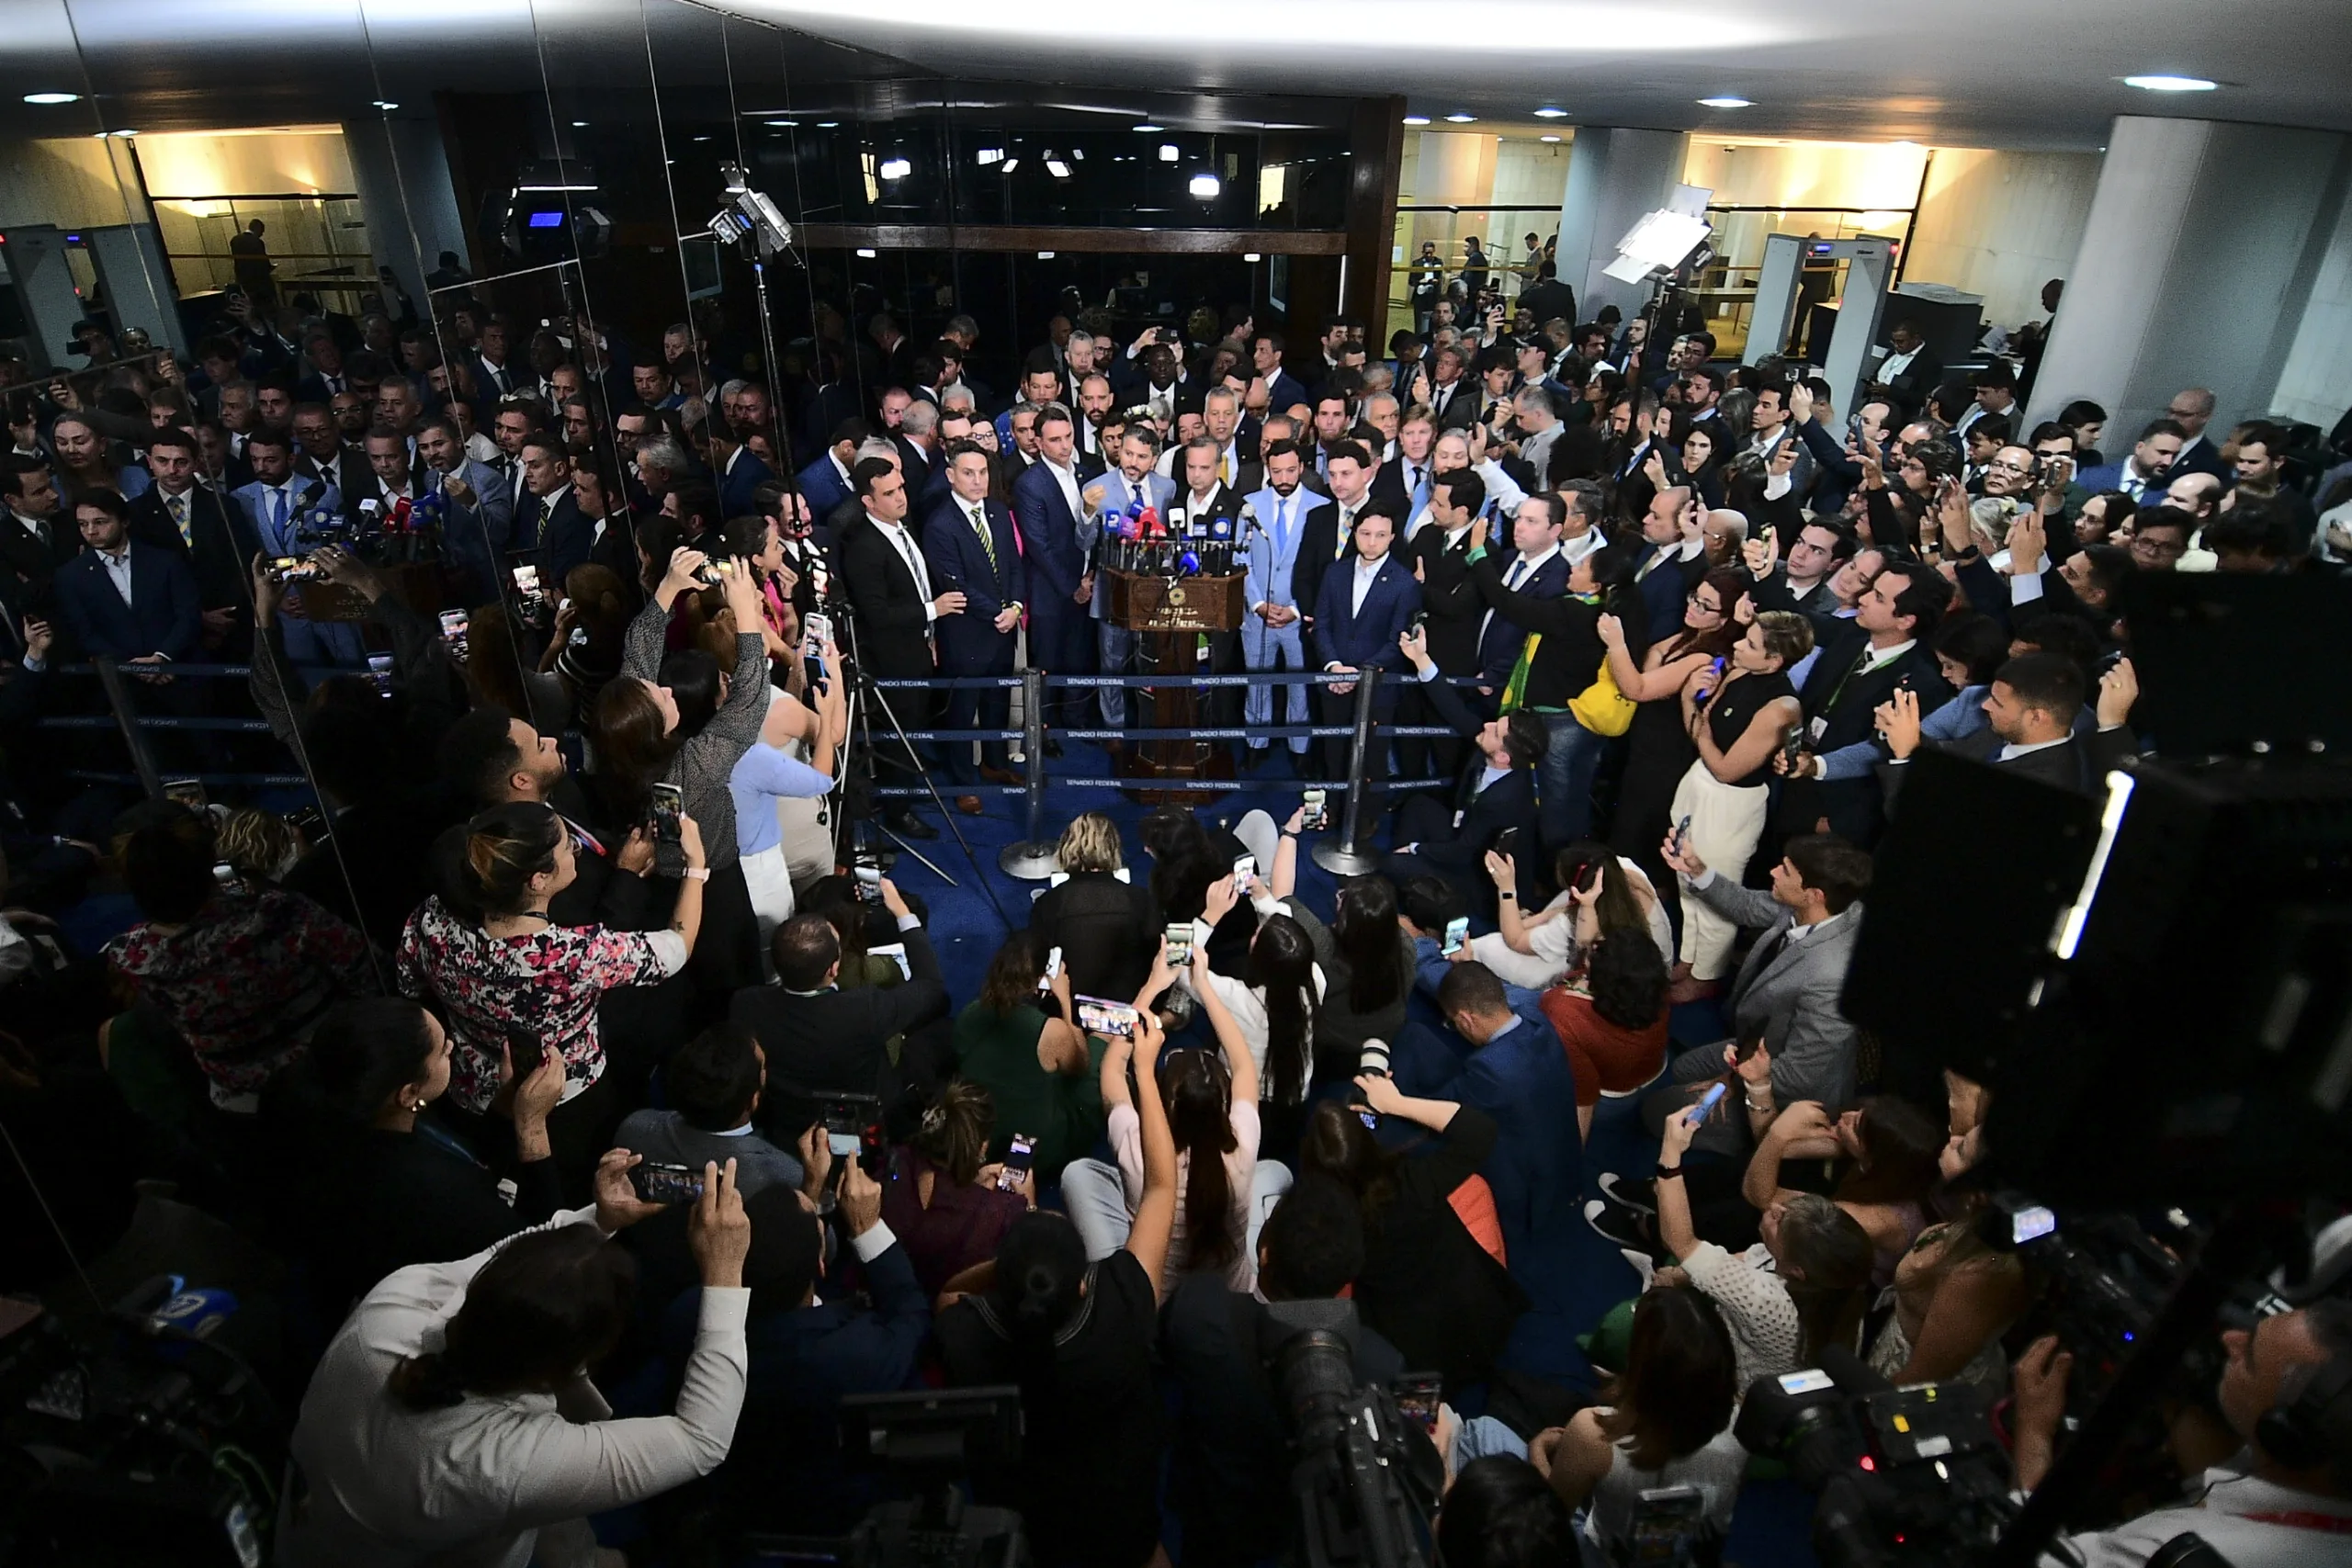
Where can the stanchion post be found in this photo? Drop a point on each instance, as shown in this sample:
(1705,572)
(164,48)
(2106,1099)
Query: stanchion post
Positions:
(1032,859)
(127,716)
(1340,856)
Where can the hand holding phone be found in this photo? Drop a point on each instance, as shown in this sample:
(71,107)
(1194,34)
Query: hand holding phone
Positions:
(1018,1155)
(657,1182)
(1317,817)
(1178,944)
(1457,933)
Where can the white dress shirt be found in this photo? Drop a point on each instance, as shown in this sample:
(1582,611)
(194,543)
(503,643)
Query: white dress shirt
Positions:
(1066,477)
(1365,572)
(904,544)
(118,570)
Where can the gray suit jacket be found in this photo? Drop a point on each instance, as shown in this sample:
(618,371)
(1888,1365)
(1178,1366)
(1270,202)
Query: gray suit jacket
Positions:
(1788,991)
(2080,762)
(663,1135)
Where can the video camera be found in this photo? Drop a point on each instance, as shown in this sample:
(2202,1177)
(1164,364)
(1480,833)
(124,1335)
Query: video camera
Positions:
(1365,1490)
(1915,1470)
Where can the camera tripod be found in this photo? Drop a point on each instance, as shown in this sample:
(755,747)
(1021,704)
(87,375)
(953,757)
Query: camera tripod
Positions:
(856,805)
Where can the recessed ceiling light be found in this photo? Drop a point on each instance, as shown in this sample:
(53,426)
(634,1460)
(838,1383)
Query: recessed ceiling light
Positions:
(2171,84)
(1250,256)
(386,104)
(829,125)
(1457,117)
(865,254)
(1167,153)
(773,124)
(1044,256)
(579,125)
(1417,120)
(1726,103)
(1205,187)
(122,133)
(52,98)
(1146,128)
(1547,139)
(1551,114)
(1903,144)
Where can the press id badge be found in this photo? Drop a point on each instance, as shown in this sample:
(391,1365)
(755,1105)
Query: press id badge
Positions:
(1458,815)
(1819,727)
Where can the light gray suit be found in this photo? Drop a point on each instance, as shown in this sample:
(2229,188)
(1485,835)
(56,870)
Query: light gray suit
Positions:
(665,1136)
(475,536)
(1787,991)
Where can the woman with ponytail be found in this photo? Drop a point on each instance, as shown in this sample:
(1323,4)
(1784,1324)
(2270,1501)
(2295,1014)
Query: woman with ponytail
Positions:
(511,983)
(1077,1337)
(452,1420)
(1225,1190)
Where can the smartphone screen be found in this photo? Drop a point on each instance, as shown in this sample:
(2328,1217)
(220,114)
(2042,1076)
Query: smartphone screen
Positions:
(869,883)
(453,630)
(669,806)
(659,1183)
(379,670)
(1457,932)
(1317,817)
(187,791)
(1053,970)
(526,581)
(1099,1017)
(1179,941)
(818,629)
(1018,1155)
(1682,835)
(846,1118)
(1245,873)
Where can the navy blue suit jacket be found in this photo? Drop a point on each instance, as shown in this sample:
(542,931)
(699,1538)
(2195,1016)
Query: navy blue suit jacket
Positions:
(1049,540)
(1284,391)
(1499,646)
(1365,639)
(166,617)
(557,540)
(1522,1080)
(822,486)
(736,487)
(969,643)
(1669,585)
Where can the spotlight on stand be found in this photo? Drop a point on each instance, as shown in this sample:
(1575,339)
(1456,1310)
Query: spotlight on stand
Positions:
(749,215)
(1671,244)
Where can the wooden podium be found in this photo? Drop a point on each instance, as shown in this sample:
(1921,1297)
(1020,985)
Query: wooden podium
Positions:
(1171,617)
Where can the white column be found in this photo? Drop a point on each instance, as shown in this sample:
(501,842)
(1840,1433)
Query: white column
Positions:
(2202,245)
(405,194)
(1615,177)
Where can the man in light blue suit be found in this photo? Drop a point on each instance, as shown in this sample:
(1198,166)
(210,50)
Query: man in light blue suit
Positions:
(275,504)
(1271,631)
(1116,645)
(480,509)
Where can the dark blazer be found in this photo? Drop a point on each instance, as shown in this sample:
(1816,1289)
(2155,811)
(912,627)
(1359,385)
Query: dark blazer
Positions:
(1320,548)
(1522,1080)
(2076,764)
(736,485)
(1426,1285)
(1505,635)
(1051,554)
(22,551)
(1109,933)
(556,541)
(832,1043)
(167,617)
(1461,408)
(387,1201)
(1366,637)
(1667,584)
(1549,298)
(915,463)
(2199,456)
(893,625)
(1486,813)
(1284,389)
(822,486)
(1854,807)
(221,545)
(969,643)
(486,376)
(1908,391)
(786,1469)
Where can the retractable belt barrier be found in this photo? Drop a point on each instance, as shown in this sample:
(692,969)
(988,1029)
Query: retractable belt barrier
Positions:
(1032,858)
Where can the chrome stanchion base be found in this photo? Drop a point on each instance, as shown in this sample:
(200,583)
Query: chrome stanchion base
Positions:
(1341,861)
(1030,862)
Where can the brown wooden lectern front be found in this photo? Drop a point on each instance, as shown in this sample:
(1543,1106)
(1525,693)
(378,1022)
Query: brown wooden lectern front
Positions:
(1172,617)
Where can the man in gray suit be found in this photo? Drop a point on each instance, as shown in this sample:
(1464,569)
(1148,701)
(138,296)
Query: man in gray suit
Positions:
(713,1086)
(1788,987)
(480,508)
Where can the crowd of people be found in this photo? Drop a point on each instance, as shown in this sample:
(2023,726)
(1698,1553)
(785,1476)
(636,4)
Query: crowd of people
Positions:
(640,1124)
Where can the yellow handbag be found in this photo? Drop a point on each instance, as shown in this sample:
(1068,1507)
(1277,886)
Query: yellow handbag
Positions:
(1601,707)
